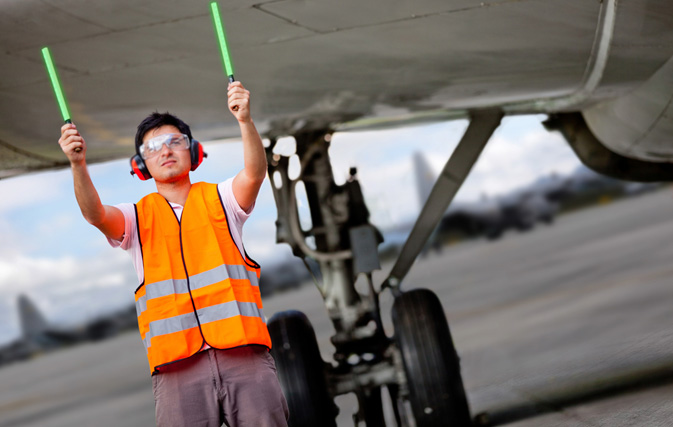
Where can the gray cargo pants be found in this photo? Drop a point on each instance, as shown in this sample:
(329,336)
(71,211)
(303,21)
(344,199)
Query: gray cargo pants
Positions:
(237,387)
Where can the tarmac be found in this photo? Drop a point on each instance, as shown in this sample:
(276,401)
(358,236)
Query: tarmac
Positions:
(566,325)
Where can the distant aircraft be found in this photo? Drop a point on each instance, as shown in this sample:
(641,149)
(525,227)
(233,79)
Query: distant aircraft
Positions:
(37,335)
(520,209)
(539,202)
(601,70)
(467,218)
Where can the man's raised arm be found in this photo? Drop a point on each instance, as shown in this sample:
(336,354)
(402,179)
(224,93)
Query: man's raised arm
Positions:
(248,181)
(107,219)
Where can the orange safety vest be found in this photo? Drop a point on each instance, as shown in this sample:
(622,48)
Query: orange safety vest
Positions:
(198,287)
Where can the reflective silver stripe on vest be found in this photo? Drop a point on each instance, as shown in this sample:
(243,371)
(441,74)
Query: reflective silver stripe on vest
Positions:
(170,286)
(206,315)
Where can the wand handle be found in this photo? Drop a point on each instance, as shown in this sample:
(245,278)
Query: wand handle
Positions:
(231,80)
(78,149)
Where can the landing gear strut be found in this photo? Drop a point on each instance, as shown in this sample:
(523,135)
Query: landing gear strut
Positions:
(419,370)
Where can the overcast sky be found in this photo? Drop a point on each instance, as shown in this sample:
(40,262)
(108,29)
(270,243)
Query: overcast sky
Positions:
(50,253)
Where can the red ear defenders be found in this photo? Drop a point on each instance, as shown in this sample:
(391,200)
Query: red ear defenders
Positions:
(139,168)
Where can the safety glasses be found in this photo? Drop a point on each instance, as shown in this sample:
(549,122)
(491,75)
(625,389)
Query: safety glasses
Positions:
(174,141)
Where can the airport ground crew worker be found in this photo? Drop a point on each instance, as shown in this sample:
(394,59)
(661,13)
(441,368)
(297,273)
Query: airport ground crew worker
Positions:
(198,302)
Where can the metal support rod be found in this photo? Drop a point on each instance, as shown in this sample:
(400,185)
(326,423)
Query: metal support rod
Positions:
(482,125)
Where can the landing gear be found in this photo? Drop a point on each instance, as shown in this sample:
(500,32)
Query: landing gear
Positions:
(431,363)
(419,366)
(301,370)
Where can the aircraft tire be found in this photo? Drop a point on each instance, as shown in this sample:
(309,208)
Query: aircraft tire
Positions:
(431,364)
(301,370)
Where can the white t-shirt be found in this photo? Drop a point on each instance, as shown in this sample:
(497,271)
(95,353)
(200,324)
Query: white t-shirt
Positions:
(236,217)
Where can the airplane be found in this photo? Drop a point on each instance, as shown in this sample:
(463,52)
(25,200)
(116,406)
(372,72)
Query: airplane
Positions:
(492,216)
(468,218)
(520,209)
(539,202)
(39,336)
(461,220)
(601,70)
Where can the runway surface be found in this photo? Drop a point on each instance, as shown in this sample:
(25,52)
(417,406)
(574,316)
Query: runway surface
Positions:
(569,325)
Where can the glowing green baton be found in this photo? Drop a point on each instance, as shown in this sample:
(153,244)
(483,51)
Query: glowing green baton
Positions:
(60,98)
(56,84)
(222,41)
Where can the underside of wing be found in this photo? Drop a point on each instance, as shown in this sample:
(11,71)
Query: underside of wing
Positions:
(326,65)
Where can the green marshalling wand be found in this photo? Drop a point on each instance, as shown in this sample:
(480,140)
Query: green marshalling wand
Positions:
(222,42)
(56,84)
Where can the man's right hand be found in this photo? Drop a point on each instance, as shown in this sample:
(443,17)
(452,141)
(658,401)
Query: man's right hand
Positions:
(70,141)
(108,219)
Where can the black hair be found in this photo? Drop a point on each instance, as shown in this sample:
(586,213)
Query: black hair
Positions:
(156,120)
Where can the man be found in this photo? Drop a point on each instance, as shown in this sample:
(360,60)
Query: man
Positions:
(198,302)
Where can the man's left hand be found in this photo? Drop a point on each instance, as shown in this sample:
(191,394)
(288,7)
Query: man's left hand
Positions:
(239,97)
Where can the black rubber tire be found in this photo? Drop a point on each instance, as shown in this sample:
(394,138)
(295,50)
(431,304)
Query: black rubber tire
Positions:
(301,370)
(431,364)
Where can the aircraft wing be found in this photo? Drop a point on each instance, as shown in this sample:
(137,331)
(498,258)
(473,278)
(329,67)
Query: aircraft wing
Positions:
(321,64)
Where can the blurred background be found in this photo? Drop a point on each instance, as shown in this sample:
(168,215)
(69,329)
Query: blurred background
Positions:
(555,280)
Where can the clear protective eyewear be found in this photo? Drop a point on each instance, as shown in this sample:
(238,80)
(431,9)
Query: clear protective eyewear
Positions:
(174,141)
